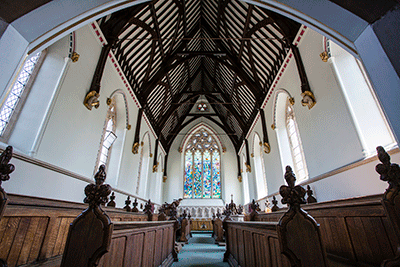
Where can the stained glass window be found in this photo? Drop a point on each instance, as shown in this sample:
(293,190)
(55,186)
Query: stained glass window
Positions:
(202,167)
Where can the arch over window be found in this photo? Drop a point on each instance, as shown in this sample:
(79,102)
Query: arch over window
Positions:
(202,177)
(108,137)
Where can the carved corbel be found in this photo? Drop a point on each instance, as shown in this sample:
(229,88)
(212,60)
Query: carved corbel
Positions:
(324,56)
(74,57)
(92,100)
(135,148)
(265,143)
(155,167)
(308,99)
(248,167)
(240,178)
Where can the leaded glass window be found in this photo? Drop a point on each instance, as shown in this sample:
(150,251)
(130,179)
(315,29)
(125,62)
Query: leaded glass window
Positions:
(295,144)
(202,167)
(19,91)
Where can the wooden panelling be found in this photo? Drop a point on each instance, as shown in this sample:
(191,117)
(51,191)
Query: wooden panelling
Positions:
(35,229)
(139,244)
(354,231)
(202,225)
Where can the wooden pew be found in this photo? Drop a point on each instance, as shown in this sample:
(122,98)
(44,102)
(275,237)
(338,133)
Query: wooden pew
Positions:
(361,231)
(296,236)
(140,244)
(185,228)
(92,234)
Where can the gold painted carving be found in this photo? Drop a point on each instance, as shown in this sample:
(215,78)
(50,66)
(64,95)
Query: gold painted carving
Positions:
(129,127)
(267,148)
(135,148)
(151,155)
(223,149)
(308,99)
(252,155)
(273,126)
(240,179)
(108,101)
(324,56)
(291,100)
(141,143)
(180,150)
(92,100)
(155,167)
(248,167)
(164,179)
(74,57)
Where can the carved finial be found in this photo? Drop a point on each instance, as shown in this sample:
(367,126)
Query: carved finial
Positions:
(213,215)
(172,211)
(5,167)
(134,204)
(189,216)
(240,209)
(389,172)
(254,206)
(184,214)
(112,202)
(127,203)
(219,215)
(291,194)
(275,204)
(97,194)
(310,198)
(148,208)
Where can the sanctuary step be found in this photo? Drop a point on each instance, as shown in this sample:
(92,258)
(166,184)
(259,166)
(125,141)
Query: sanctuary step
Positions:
(201,251)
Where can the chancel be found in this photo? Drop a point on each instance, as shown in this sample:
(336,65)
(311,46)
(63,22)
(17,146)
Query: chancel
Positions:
(133,131)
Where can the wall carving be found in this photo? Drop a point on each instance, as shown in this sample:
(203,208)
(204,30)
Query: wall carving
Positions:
(200,212)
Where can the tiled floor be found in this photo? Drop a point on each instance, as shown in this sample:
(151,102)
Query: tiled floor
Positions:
(201,251)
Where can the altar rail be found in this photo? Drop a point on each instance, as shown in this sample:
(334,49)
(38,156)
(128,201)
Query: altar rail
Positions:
(355,231)
(34,230)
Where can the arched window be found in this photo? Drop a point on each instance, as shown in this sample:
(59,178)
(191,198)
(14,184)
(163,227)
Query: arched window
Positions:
(17,94)
(202,178)
(245,180)
(108,137)
(296,147)
(259,167)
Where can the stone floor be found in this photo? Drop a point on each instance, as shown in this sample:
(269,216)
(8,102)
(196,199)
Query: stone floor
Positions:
(201,251)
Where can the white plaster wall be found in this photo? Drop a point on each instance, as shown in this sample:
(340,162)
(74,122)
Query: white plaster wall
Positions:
(72,138)
(173,187)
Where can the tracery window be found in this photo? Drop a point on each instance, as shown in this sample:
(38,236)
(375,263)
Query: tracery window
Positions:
(295,144)
(108,136)
(202,167)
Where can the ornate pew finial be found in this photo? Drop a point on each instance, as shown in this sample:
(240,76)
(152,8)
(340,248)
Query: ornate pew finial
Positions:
(127,203)
(112,202)
(149,209)
(134,204)
(5,167)
(97,194)
(389,172)
(275,204)
(310,197)
(291,194)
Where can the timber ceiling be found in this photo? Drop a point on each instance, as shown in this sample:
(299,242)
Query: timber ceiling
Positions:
(175,51)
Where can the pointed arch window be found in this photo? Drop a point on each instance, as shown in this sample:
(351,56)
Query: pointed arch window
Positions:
(108,136)
(202,178)
(296,147)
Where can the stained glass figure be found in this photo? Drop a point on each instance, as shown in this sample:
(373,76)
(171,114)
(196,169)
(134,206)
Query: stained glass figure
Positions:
(202,167)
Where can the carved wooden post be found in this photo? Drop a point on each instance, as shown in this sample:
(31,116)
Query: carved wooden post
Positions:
(265,144)
(134,204)
(5,169)
(310,198)
(161,214)
(299,234)
(390,172)
(89,235)
(127,203)
(254,207)
(224,230)
(275,206)
(184,227)
(172,213)
(148,209)
(112,202)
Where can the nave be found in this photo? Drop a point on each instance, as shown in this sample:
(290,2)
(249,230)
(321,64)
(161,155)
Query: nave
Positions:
(201,250)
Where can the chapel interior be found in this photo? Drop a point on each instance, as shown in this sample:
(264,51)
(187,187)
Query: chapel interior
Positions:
(202,103)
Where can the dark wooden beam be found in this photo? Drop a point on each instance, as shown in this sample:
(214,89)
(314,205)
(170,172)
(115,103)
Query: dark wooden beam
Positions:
(135,147)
